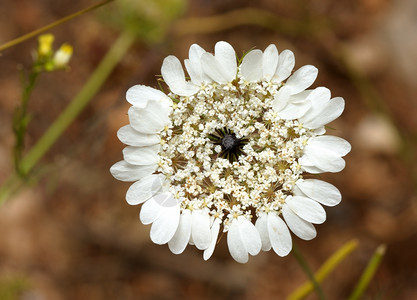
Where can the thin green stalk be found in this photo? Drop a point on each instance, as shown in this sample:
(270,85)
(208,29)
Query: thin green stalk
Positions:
(91,87)
(21,117)
(52,25)
(303,263)
(322,273)
(368,273)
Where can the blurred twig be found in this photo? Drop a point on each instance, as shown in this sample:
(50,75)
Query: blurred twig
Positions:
(329,265)
(52,25)
(244,16)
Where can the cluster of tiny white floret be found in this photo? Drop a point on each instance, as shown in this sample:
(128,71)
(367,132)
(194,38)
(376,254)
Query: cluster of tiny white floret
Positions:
(260,179)
(227,151)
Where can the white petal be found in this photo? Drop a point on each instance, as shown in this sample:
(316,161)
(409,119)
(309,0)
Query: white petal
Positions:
(139,95)
(127,172)
(142,155)
(302,79)
(185,89)
(172,71)
(281,99)
(312,169)
(226,56)
(212,68)
(303,229)
(151,119)
(335,168)
(180,240)
(251,67)
(331,111)
(319,131)
(243,238)
(294,110)
(319,97)
(319,190)
(270,61)
(193,71)
(149,212)
(306,208)
(174,77)
(279,235)
(286,62)
(336,144)
(324,153)
(163,211)
(164,227)
(250,236)
(301,96)
(193,65)
(321,161)
(262,227)
(153,208)
(200,229)
(214,234)
(127,135)
(195,52)
(144,189)
(236,247)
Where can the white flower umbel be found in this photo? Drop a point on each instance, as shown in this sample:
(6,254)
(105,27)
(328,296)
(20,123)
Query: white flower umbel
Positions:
(228,151)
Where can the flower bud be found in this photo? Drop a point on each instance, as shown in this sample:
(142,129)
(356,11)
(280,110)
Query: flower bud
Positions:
(45,44)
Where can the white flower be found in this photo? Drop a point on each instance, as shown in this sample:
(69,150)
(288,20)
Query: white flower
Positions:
(228,149)
(62,56)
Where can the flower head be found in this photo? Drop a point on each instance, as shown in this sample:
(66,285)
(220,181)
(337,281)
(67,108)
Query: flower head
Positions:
(228,151)
(62,56)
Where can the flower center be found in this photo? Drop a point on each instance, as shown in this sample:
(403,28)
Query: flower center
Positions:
(231,146)
(230,142)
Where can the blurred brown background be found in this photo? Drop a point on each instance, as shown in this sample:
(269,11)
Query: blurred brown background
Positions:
(71,235)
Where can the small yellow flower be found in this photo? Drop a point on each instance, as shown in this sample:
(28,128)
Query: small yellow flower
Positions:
(45,44)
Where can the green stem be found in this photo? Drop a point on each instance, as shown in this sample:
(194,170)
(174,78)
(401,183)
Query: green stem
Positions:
(303,263)
(21,118)
(368,273)
(52,25)
(91,87)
